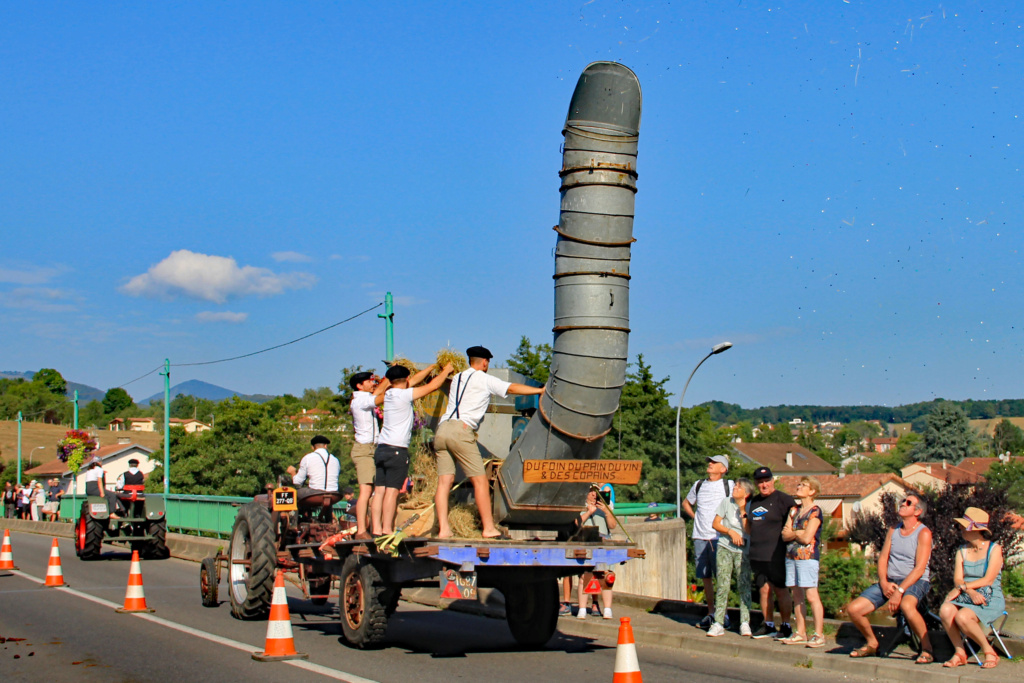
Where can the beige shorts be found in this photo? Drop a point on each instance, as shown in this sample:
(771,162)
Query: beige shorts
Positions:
(455,439)
(362,458)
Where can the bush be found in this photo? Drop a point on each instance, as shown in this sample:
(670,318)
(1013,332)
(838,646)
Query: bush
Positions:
(841,579)
(1013,582)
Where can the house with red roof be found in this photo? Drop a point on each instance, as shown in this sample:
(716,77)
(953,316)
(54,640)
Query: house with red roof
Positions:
(782,458)
(938,475)
(114,460)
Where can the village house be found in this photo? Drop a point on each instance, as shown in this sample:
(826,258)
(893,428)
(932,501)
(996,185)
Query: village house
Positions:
(114,460)
(783,458)
(937,475)
(982,465)
(843,496)
(883,444)
(190,425)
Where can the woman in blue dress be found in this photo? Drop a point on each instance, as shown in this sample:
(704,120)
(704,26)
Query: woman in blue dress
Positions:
(977,597)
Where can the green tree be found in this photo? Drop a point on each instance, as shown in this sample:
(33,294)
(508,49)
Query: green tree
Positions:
(531,361)
(1009,477)
(92,414)
(184,406)
(116,400)
(1008,437)
(769,433)
(744,431)
(52,380)
(946,436)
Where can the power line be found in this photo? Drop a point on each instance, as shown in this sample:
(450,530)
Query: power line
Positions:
(122,386)
(278,346)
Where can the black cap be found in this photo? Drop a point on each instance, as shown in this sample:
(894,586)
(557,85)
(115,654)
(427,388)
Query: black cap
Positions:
(762,473)
(359,378)
(478,352)
(319,440)
(397,372)
(347,491)
(133,463)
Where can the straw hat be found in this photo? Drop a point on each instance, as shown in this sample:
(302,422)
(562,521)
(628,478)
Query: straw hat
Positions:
(975,519)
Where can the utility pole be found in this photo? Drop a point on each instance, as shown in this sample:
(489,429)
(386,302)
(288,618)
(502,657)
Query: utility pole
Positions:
(167,425)
(389,327)
(76,408)
(19,447)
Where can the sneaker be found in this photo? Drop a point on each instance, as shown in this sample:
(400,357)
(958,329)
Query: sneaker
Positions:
(716,630)
(565,610)
(595,610)
(745,629)
(817,640)
(706,622)
(785,631)
(581,614)
(763,631)
(795,639)
(607,613)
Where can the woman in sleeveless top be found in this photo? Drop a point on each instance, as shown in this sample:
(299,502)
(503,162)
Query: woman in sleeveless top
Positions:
(977,597)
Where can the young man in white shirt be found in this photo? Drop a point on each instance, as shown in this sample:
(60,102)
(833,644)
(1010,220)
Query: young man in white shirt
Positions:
(706,495)
(392,454)
(365,399)
(470,393)
(320,467)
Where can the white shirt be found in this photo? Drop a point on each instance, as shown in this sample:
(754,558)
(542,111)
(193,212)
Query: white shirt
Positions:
(364,419)
(705,505)
(471,392)
(398,417)
(321,468)
(93,474)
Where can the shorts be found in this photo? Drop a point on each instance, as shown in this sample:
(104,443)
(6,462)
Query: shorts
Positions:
(772,572)
(455,438)
(876,597)
(52,506)
(362,458)
(392,466)
(801,573)
(705,558)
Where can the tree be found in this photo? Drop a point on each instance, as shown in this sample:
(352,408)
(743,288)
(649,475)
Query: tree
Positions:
(1008,477)
(92,414)
(1008,438)
(946,436)
(769,433)
(52,380)
(116,400)
(531,361)
(185,406)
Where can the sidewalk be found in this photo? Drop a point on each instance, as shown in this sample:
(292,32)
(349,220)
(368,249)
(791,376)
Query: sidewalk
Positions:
(678,630)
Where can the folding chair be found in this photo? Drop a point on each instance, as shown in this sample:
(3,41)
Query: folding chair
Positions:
(903,634)
(994,632)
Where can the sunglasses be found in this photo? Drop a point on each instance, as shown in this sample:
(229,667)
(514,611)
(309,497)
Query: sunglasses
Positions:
(906,502)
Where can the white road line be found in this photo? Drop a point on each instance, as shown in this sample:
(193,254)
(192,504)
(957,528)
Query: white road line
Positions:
(213,638)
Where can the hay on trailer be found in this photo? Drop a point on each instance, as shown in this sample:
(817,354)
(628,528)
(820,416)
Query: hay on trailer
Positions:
(450,355)
(464,519)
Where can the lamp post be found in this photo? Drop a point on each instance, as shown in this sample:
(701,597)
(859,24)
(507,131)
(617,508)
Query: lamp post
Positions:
(717,349)
(37,448)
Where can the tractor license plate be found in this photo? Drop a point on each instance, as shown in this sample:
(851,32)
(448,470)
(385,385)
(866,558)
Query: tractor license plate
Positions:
(456,585)
(97,508)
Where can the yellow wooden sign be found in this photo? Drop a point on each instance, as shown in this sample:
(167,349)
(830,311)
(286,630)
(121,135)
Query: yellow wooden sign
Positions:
(583,471)
(285,499)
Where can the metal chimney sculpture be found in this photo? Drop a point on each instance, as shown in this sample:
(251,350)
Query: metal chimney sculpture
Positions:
(591,331)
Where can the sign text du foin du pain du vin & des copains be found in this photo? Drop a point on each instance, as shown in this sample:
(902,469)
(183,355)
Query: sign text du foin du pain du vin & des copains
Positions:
(583,471)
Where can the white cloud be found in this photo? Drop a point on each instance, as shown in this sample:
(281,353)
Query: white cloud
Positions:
(221,317)
(39,299)
(290,257)
(213,278)
(31,276)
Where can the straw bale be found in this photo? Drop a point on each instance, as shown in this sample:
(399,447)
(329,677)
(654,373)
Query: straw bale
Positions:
(465,521)
(450,355)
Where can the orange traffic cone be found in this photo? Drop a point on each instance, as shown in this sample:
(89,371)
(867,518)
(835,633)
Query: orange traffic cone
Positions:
(280,644)
(627,667)
(54,573)
(135,596)
(6,554)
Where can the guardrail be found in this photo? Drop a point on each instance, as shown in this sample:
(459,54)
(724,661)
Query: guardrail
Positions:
(215,515)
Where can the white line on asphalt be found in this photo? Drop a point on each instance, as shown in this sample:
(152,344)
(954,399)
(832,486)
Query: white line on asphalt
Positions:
(308,666)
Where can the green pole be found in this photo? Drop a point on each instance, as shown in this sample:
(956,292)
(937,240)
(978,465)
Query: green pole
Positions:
(76,408)
(167,425)
(19,448)
(389,327)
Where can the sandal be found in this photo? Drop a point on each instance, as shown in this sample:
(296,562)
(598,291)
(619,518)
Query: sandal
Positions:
(958,659)
(866,651)
(991,660)
(925,657)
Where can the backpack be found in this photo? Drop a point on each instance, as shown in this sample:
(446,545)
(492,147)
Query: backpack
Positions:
(725,483)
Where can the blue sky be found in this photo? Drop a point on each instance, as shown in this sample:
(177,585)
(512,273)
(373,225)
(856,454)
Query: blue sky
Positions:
(833,186)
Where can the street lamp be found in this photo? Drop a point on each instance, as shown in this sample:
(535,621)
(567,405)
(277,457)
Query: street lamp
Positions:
(717,349)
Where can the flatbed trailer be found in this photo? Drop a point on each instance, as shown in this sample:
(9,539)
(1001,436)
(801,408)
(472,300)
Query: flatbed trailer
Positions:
(525,571)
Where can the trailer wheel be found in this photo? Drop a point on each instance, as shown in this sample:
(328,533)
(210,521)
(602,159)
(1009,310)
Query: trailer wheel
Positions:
(208,584)
(361,610)
(156,548)
(88,535)
(531,610)
(252,559)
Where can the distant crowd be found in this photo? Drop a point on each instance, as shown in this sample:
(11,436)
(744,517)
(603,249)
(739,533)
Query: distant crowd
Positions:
(33,500)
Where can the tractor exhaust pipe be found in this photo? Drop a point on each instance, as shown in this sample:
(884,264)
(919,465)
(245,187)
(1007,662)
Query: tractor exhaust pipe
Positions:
(591,332)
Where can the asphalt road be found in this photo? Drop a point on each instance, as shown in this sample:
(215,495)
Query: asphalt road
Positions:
(74,633)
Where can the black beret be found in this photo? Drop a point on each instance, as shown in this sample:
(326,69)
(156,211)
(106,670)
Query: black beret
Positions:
(397,372)
(478,352)
(318,440)
(359,378)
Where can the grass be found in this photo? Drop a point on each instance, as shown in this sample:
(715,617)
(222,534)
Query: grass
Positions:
(35,434)
(805,664)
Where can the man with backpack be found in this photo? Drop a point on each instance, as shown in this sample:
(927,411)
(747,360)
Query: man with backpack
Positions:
(701,503)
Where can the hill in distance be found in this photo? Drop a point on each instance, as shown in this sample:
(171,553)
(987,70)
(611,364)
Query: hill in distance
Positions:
(86,393)
(200,389)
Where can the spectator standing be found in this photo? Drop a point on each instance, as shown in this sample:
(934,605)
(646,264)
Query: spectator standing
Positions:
(38,500)
(903,579)
(802,533)
(701,503)
(10,500)
(769,510)
(54,492)
(977,597)
(596,514)
(24,511)
(733,555)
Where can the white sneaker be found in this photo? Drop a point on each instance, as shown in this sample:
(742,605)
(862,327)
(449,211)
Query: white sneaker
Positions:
(745,629)
(582,614)
(607,612)
(716,630)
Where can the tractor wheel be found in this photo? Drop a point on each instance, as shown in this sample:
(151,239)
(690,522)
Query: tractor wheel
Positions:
(361,610)
(531,610)
(156,548)
(319,588)
(208,584)
(252,561)
(88,535)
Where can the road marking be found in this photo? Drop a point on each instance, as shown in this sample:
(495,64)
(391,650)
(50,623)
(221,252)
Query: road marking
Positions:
(213,638)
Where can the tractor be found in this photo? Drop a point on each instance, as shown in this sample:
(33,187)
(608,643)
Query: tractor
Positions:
(143,526)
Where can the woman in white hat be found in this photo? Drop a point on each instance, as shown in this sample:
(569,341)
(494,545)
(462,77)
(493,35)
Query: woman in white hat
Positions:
(977,597)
